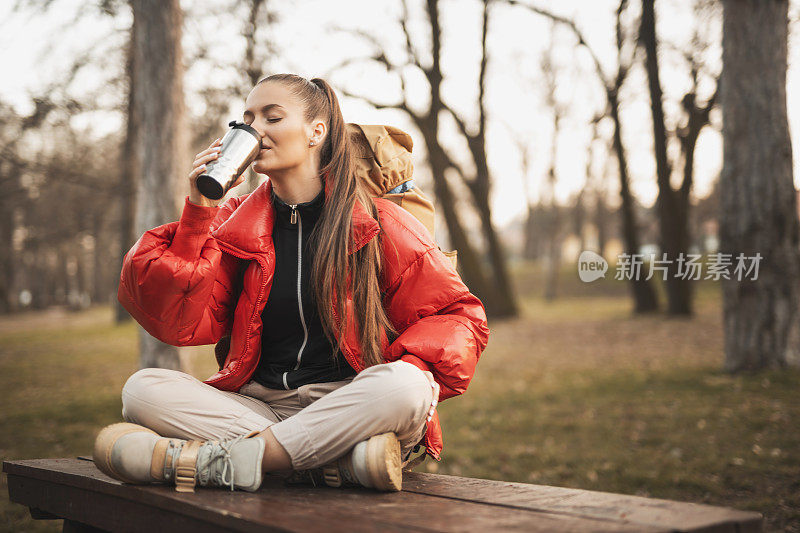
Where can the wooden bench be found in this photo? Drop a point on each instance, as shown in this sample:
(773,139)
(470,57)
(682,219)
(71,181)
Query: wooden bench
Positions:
(76,491)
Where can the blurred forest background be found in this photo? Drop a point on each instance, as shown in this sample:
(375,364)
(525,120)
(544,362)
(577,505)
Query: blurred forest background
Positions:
(541,129)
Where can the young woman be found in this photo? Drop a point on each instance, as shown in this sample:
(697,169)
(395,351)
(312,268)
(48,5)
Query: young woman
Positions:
(338,321)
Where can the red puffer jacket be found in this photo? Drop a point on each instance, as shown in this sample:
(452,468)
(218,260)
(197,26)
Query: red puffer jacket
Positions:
(208,275)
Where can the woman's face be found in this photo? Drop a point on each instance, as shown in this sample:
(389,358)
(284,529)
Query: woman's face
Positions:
(285,135)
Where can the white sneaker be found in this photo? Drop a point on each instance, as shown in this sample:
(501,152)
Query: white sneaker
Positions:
(136,454)
(373,463)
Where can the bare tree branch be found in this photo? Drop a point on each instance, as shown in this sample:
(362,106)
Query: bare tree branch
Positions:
(462,126)
(378,105)
(575,30)
(482,75)
(379,55)
(409,46)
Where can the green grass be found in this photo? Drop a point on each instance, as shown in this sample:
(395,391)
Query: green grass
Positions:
(577,392)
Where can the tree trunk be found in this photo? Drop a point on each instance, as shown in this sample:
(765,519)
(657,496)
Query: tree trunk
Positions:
(468,262)
(644,297)
(494,290)
(579,219)
(127,175)
(601,222)
(553,226)
(758,211)
(672,217)
(253,71)
(504,304)
(162,150)
(698,118)
(63,282)
(100,284)
(531,244)
(553,255)
(529,237)
(7,260)
(428,124)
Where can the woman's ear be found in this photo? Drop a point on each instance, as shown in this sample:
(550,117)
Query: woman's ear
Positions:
(317,132)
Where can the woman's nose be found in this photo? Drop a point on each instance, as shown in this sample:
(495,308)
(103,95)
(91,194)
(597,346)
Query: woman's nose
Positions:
(259,130)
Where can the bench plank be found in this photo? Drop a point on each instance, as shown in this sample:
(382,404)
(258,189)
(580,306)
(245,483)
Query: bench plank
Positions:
(675,515)
(77,490)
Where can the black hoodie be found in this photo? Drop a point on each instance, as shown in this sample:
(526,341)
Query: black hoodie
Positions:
(294,349)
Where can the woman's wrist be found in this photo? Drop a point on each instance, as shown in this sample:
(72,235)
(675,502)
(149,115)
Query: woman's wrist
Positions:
(202,201)
(197,217)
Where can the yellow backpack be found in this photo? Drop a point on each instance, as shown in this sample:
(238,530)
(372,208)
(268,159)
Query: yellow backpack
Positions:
(383,155)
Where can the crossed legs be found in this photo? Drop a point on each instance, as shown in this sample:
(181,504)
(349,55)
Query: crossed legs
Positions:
(388,397)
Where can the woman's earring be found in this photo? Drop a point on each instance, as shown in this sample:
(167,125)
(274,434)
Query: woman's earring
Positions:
(311,143)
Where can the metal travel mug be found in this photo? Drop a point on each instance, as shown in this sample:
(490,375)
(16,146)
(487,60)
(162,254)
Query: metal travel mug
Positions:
(240,147)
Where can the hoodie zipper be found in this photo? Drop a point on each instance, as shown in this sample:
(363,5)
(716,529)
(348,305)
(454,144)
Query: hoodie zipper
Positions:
(296,219)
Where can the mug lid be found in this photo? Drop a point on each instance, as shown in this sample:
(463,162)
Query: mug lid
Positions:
(242,126)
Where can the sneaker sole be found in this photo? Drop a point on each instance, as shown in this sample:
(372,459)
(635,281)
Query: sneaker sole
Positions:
(383,462)
(104,443)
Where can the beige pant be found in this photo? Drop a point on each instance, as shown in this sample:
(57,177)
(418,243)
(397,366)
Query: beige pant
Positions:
(315,423)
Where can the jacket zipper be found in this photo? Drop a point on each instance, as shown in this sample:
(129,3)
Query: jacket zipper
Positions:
(236,253)
(298,220)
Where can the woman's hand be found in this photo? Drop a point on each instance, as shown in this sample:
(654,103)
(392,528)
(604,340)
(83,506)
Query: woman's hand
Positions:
(435,387)
(198,167)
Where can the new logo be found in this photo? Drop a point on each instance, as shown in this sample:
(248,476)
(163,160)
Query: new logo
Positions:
(591,266)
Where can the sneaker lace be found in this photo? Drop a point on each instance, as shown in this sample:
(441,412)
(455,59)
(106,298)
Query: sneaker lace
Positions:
(214,463)
(171,458)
